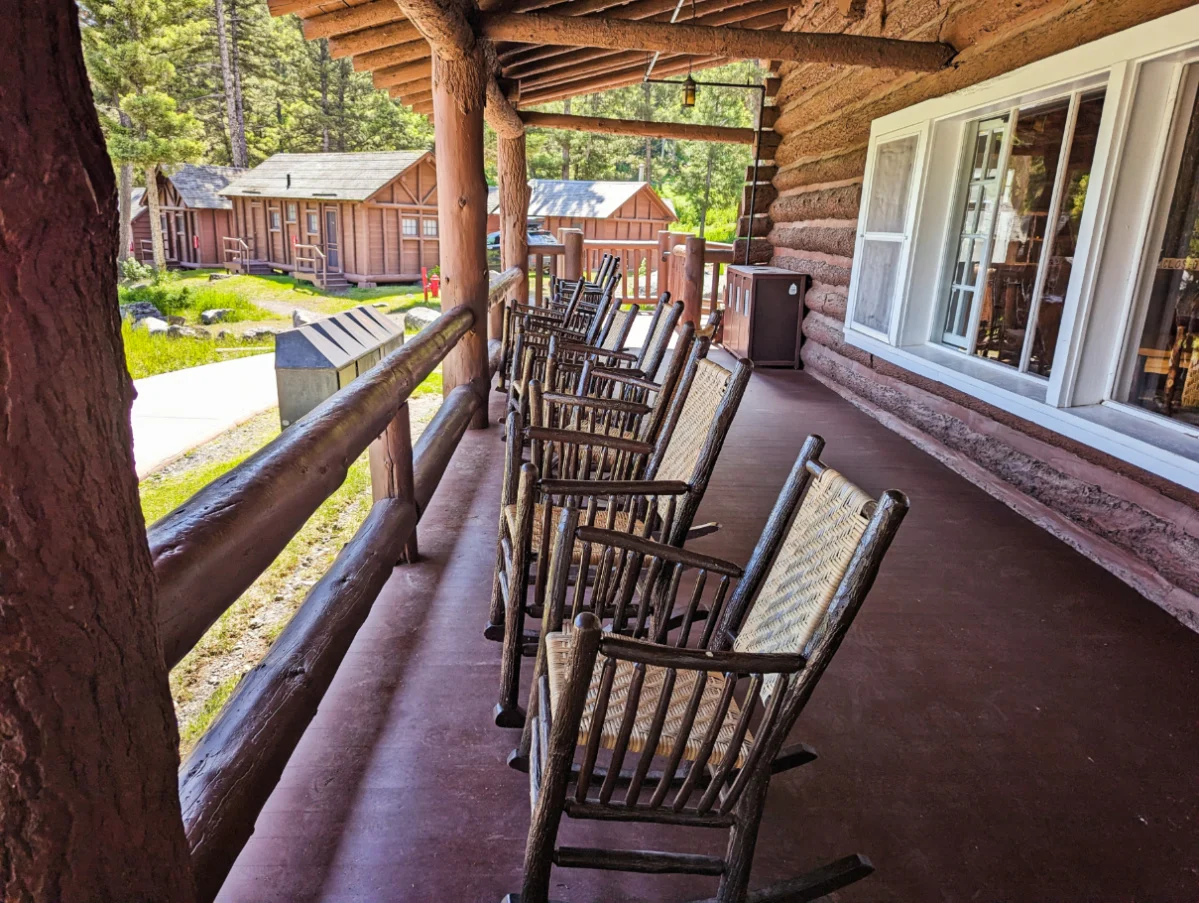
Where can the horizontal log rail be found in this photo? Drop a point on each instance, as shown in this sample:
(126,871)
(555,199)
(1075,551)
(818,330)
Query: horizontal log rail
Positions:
(682,131)
(640,266)
(502,284)
(210,549)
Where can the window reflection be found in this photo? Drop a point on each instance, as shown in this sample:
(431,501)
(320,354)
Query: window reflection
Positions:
(1165,373)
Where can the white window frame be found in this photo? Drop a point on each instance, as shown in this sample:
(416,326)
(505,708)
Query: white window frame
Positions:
(409,221)
(1097,317)
(425,223)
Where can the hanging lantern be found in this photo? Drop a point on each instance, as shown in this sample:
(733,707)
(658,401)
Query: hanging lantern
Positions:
(688,92)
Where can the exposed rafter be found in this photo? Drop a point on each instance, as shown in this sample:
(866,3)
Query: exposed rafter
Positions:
(586,84)
(375,38)
(730,42)
(356,18)
(399,75)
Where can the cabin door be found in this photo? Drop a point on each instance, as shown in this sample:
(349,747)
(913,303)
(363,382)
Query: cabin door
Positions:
(258,246)
(332,255)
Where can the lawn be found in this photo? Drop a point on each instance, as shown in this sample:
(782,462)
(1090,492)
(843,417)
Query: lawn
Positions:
(149,355)
(286,290)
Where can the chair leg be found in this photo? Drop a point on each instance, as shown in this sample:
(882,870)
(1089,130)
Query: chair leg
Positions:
(507,711)
(739,859)
(495,611)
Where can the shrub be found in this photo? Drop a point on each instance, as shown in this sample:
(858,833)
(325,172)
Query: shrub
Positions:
(174,299)
(133,270)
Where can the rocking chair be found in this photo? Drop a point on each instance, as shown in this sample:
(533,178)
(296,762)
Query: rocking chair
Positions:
(626,484)
(629,730)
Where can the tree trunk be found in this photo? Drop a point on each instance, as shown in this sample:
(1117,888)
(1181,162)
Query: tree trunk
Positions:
(648,111)
(566,144)
(125,208)
(458,98)
(703,210)
(89,804)
(233,111)
(323,59)
(156,237)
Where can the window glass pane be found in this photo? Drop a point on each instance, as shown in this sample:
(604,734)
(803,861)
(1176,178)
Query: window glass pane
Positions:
(1165,364)
(876,283)
(889,187)
(313,225)
(291,213)
(1025,193)
(429,225)
(409,227)
(1063,236)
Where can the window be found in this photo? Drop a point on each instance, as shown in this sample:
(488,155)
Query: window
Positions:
(291,213)
(314,222)
(409,225)
(429,227)
(1034,242)
(276,225)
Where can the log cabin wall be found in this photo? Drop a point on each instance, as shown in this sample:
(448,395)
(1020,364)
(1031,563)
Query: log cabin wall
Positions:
(192,236)
(1139,526)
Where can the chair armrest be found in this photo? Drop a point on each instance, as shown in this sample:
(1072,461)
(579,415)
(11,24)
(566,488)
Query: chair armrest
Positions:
(615,487)
(686,659)
(654,549)
(598,404)
(627,377)
(593,440)
(583,348)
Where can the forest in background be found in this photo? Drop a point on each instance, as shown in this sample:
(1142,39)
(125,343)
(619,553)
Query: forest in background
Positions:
(221,81)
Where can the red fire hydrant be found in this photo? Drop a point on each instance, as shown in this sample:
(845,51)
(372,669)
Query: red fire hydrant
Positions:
(435,284)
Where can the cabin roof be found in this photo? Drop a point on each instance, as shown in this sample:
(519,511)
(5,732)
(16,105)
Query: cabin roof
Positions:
(199,185)
(344,177)
(135,202)
(577,197)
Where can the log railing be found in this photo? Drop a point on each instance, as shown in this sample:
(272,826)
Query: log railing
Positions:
(311,260)
(211,548)
(639,267)
(543,265)
(691,270)
(237,251)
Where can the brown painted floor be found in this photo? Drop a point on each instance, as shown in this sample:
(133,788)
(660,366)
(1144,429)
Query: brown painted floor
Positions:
(1006,721)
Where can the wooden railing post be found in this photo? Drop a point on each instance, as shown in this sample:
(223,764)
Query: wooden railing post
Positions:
(573,257)
(665,243)
(391,468)
(693,281)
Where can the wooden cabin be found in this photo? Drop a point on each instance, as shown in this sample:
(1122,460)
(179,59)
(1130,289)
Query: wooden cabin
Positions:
(195,217)
(364,217)
(630,211)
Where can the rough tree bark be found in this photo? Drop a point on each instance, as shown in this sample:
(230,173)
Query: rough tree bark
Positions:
(156,237)
(233,104)
(239,107)
(513,172)
(89,806)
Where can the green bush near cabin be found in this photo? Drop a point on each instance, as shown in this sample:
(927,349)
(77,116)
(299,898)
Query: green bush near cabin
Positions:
(171,296)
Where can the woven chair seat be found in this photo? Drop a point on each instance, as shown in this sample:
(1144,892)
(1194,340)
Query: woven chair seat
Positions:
(558,651)
(601,520)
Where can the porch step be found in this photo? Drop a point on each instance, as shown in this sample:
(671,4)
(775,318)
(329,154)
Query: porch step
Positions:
(336,282)
(258,268)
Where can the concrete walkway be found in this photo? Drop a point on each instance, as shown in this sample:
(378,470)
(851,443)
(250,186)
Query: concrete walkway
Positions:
(175,412)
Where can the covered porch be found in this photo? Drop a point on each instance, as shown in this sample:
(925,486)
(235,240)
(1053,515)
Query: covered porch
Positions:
(1007,720)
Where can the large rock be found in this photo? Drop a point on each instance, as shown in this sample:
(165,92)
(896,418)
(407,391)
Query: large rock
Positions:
(255,335)
(139,310)
(215,315)
(420,317)
(176,320)
(176,331)
(302,317)
(153,325)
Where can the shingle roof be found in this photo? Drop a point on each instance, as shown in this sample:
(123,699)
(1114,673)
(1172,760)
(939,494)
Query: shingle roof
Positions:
(135,202)
(347,177)
(199,185)
(562,197)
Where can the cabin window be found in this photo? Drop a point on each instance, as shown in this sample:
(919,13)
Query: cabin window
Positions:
(429,227)
(1034,242)
(409,225)
(291,213)
(276,224)
(314,226)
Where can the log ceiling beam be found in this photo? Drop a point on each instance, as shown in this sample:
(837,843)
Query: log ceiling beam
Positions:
(569,67)
(500,114)
(682,131)
(667,65)
(376,38)
(392,56)
(412,96)
(408,72)
(729,42)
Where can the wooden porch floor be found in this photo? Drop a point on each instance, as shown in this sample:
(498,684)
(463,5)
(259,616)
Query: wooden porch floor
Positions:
(1006,721)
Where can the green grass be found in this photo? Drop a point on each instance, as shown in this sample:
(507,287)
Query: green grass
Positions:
(163,494)
(287,290)
(180,297)
(149,355)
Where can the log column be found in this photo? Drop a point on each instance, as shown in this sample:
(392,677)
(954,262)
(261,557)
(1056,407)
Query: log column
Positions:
(693,281)
(391,469)
(458,98)
(572,257)
(514,211)
(89,748)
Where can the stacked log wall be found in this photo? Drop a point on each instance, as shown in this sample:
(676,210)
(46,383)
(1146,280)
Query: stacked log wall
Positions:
(1140,527)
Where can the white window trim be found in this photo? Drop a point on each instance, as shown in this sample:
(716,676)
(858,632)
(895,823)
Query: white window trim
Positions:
(1068,402)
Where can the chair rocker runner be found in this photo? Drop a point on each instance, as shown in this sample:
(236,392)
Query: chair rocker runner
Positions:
(688,727)
(625,484)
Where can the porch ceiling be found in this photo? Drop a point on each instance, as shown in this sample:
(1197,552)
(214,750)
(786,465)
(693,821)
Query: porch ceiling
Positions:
(541,56)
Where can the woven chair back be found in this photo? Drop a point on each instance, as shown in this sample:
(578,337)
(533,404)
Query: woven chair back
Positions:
(704,396)
(618,329)
(666,317)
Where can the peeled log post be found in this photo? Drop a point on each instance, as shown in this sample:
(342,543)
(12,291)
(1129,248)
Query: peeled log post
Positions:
(88,739)
(459,88)
(437,443)
(210,549)
(514,221)
(572,257)
(391,468)
(736,43)
(683,131)
(237,763)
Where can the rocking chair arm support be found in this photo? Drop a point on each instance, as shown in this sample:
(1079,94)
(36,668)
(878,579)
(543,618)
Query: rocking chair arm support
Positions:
(590,440)
(642,546)
(583,348)
(603,488)
(627,377)
(599,404)
(685,659)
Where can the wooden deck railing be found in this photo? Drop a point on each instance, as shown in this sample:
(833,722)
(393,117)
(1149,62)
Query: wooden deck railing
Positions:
(691,271)
(311,261)
(210,549)
(543,265)
(237,251)
(640,265)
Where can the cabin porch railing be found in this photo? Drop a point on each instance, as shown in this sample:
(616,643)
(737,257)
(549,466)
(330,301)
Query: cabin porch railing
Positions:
(543,267)
(692,271)
(211,548)
(640,270)
(311,262)
(237,252)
